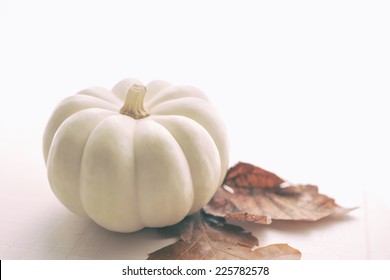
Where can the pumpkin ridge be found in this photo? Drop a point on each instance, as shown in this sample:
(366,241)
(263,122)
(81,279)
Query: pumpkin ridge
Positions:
(106,96)
(82,156)
(171,124)
(102,128)
(144,153)
(135,183)
(91,97)
(74,119)
(159,97)
(60,115)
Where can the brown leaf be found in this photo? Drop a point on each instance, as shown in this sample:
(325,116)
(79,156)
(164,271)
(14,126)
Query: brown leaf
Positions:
(248,175)
(255,195)
(205,237)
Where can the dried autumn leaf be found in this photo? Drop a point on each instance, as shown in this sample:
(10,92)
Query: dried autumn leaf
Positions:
(255,195)
(206,237)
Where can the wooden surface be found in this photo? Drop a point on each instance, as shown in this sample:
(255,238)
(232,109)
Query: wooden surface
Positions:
(34,225)
(303,88)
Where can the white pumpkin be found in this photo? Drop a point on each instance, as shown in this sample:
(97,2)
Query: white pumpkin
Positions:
(135,156)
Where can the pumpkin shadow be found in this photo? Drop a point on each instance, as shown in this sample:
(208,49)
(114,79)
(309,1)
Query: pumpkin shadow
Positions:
(71,237)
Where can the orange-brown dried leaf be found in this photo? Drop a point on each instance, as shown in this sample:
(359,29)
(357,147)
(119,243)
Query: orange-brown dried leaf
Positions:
(205,237)
(248,175)
(252,194)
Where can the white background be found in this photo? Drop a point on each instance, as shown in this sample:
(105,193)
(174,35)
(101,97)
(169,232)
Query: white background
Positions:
(303,88)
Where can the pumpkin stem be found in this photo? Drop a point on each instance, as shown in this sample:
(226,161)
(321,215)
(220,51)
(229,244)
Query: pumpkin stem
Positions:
(134,103)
